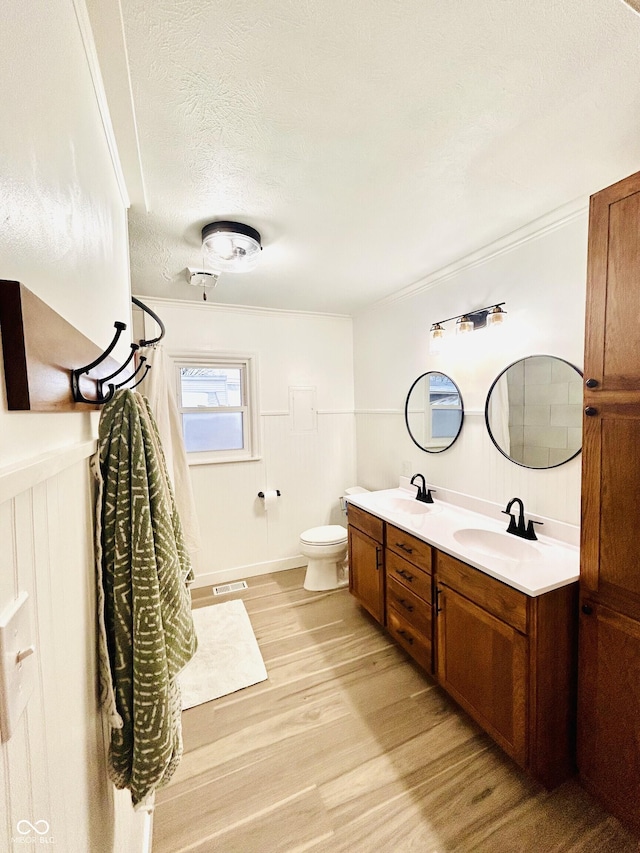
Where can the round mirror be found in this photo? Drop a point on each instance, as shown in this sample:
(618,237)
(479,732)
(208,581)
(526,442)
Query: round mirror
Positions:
(433,412)
(534,411)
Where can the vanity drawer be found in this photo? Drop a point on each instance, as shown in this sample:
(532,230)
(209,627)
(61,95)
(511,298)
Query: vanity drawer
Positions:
(408,575)
(413,609)
(409,547)
(496,597)
(412,641)
(369,524)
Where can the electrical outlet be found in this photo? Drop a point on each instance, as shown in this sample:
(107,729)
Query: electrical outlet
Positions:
(406,468)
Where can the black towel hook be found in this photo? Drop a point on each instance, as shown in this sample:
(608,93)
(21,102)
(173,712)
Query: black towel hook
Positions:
(78,396)
(103,396)
(142,378)
(126,381)
(104,379)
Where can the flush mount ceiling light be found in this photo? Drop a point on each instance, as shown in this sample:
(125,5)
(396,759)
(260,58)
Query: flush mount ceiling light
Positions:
(230,246)
(493,315)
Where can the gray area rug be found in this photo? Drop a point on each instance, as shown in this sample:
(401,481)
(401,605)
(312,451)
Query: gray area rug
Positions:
(228,657)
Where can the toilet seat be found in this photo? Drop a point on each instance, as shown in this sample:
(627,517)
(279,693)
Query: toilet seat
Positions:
(328,534)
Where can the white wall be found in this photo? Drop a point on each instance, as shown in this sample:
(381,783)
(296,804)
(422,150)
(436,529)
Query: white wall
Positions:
(64,226)
(311,469)
(64,235)
(540,273)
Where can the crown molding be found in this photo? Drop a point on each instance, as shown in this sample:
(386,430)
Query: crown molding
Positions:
(236,309)
(546,224)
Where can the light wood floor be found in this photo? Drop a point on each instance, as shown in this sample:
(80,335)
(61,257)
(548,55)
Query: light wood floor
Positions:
(348,746)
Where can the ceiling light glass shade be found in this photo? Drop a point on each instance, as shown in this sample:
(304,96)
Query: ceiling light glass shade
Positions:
(464,325)
(436,336)
(230,246)
(496,316)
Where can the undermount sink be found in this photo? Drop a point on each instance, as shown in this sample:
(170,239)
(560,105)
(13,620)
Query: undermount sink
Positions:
(493,544)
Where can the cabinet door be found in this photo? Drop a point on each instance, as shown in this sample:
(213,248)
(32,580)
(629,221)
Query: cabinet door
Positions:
(611,495)
(611,435)
(609,710)
(366,574)
(482,664)
(612,355)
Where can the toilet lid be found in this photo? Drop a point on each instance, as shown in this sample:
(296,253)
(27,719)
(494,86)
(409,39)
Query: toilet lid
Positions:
(328,534)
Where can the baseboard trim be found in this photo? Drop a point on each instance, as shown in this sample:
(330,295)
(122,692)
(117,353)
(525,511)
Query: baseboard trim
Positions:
(147,839)
(251,571)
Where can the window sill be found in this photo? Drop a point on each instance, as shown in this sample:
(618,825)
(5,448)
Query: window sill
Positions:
(221,460)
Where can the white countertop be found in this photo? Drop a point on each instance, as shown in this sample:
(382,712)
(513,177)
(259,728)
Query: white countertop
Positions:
(533,567)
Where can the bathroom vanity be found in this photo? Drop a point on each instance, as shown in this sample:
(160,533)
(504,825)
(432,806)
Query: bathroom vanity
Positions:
(494,621)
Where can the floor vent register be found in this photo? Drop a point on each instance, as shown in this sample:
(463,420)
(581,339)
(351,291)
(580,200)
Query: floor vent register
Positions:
(229,587)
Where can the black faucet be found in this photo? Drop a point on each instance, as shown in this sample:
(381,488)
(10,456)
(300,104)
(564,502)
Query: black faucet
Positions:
(424,494)
(519,528)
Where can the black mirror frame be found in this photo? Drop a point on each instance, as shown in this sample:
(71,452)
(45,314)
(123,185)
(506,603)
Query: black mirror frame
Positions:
(486,412)
(406,412)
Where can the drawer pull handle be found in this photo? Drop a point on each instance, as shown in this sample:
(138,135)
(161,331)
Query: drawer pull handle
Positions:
(409,607)
(404,547)
(405,575)
(591,383)
(590,411)
(406,636)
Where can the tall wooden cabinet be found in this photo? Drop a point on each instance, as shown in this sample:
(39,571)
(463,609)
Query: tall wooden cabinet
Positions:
(609,657)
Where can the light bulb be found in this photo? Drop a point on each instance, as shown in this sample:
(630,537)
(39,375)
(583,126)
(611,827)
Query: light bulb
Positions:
(464,325)
(222,246)
(496,316)
(436,336)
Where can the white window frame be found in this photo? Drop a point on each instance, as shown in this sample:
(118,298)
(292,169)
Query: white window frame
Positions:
(247,362)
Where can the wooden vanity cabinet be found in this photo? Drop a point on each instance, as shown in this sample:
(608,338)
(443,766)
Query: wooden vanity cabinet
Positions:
(366,561)
(408,563)
(508,659)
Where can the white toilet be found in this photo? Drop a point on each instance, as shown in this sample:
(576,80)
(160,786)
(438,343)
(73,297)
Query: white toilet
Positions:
(326,549)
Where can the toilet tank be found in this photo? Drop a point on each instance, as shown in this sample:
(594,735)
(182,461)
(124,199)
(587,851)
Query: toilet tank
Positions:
(352,490)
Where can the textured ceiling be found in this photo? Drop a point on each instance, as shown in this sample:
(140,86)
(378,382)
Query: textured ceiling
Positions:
(371,141)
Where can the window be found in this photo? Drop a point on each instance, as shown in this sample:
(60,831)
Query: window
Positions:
(445,411)
(215,401)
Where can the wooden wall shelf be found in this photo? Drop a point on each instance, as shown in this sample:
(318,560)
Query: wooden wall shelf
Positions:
(40,349)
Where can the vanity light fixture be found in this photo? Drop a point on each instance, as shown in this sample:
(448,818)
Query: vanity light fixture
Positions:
(492,315)
(230,246)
